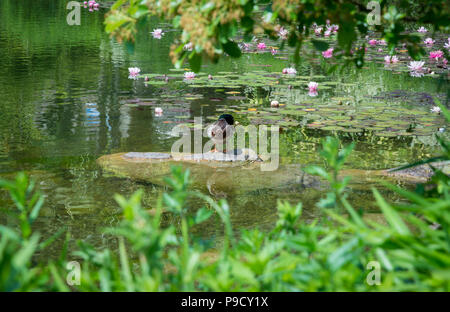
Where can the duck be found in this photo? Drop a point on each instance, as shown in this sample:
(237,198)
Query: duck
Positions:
(220,130)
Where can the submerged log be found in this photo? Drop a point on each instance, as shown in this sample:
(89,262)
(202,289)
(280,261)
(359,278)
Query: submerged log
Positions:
(230,173)
(212,171)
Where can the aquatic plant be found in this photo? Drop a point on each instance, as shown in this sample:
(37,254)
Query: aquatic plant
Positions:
(328,53)
(133,72)
(391,59)
(289,71)
(416,68)
(312,86)
(157,33)
(422,29)
(429,42)
(435,55)
(189,75)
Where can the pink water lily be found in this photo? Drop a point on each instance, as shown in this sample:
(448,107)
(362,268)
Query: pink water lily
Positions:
(157,33)
(422,30)
(416,68)
(133,72)
(388,59)
(328,53)
(189,75)
(318,31)
(372,42)
(447,44)
(429,42)
(436,55)
(312,86)
(382,42)
(261,46)
(327,33)
(274,51)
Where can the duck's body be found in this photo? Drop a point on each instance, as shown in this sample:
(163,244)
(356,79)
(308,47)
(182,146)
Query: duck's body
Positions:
(221,129)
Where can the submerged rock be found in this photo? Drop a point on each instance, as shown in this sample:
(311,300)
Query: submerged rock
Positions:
(240,172)
(216,172)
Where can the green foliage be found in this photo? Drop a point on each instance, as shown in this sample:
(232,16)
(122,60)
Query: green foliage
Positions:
(212,26)
(410,242)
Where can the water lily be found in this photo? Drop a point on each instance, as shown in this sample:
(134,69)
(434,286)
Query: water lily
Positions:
(273,51)
(96,6)
(312,86)
(289,71)
(328,53)
(158,111)
(274,103)
(327,33)
(283,33)
(447,44)
(261,46)
(318,31)
(436,55)
(157,33)
(189,75)
(416,68)
(382,42)
(422,30)
(134,72)
(435,109)
(372,42)
(388,59)
(429,42)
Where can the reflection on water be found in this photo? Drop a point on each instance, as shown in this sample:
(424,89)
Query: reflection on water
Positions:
(65,100)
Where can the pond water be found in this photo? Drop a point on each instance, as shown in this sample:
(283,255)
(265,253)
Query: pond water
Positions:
(66,99)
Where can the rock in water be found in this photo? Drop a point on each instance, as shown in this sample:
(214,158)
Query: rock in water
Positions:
(216,172)
(240,172)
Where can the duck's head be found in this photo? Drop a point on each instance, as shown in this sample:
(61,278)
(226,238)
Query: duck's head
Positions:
(228,118)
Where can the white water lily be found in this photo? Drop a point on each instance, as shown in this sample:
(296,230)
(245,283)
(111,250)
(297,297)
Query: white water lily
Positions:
(134,72)
(435,109)
(416,65)
(157,33)
(189,75)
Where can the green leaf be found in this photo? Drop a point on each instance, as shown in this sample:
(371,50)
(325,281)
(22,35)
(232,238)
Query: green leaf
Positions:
(392,217)
(320,45)
(195,61)
(202,215)
(232,49)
